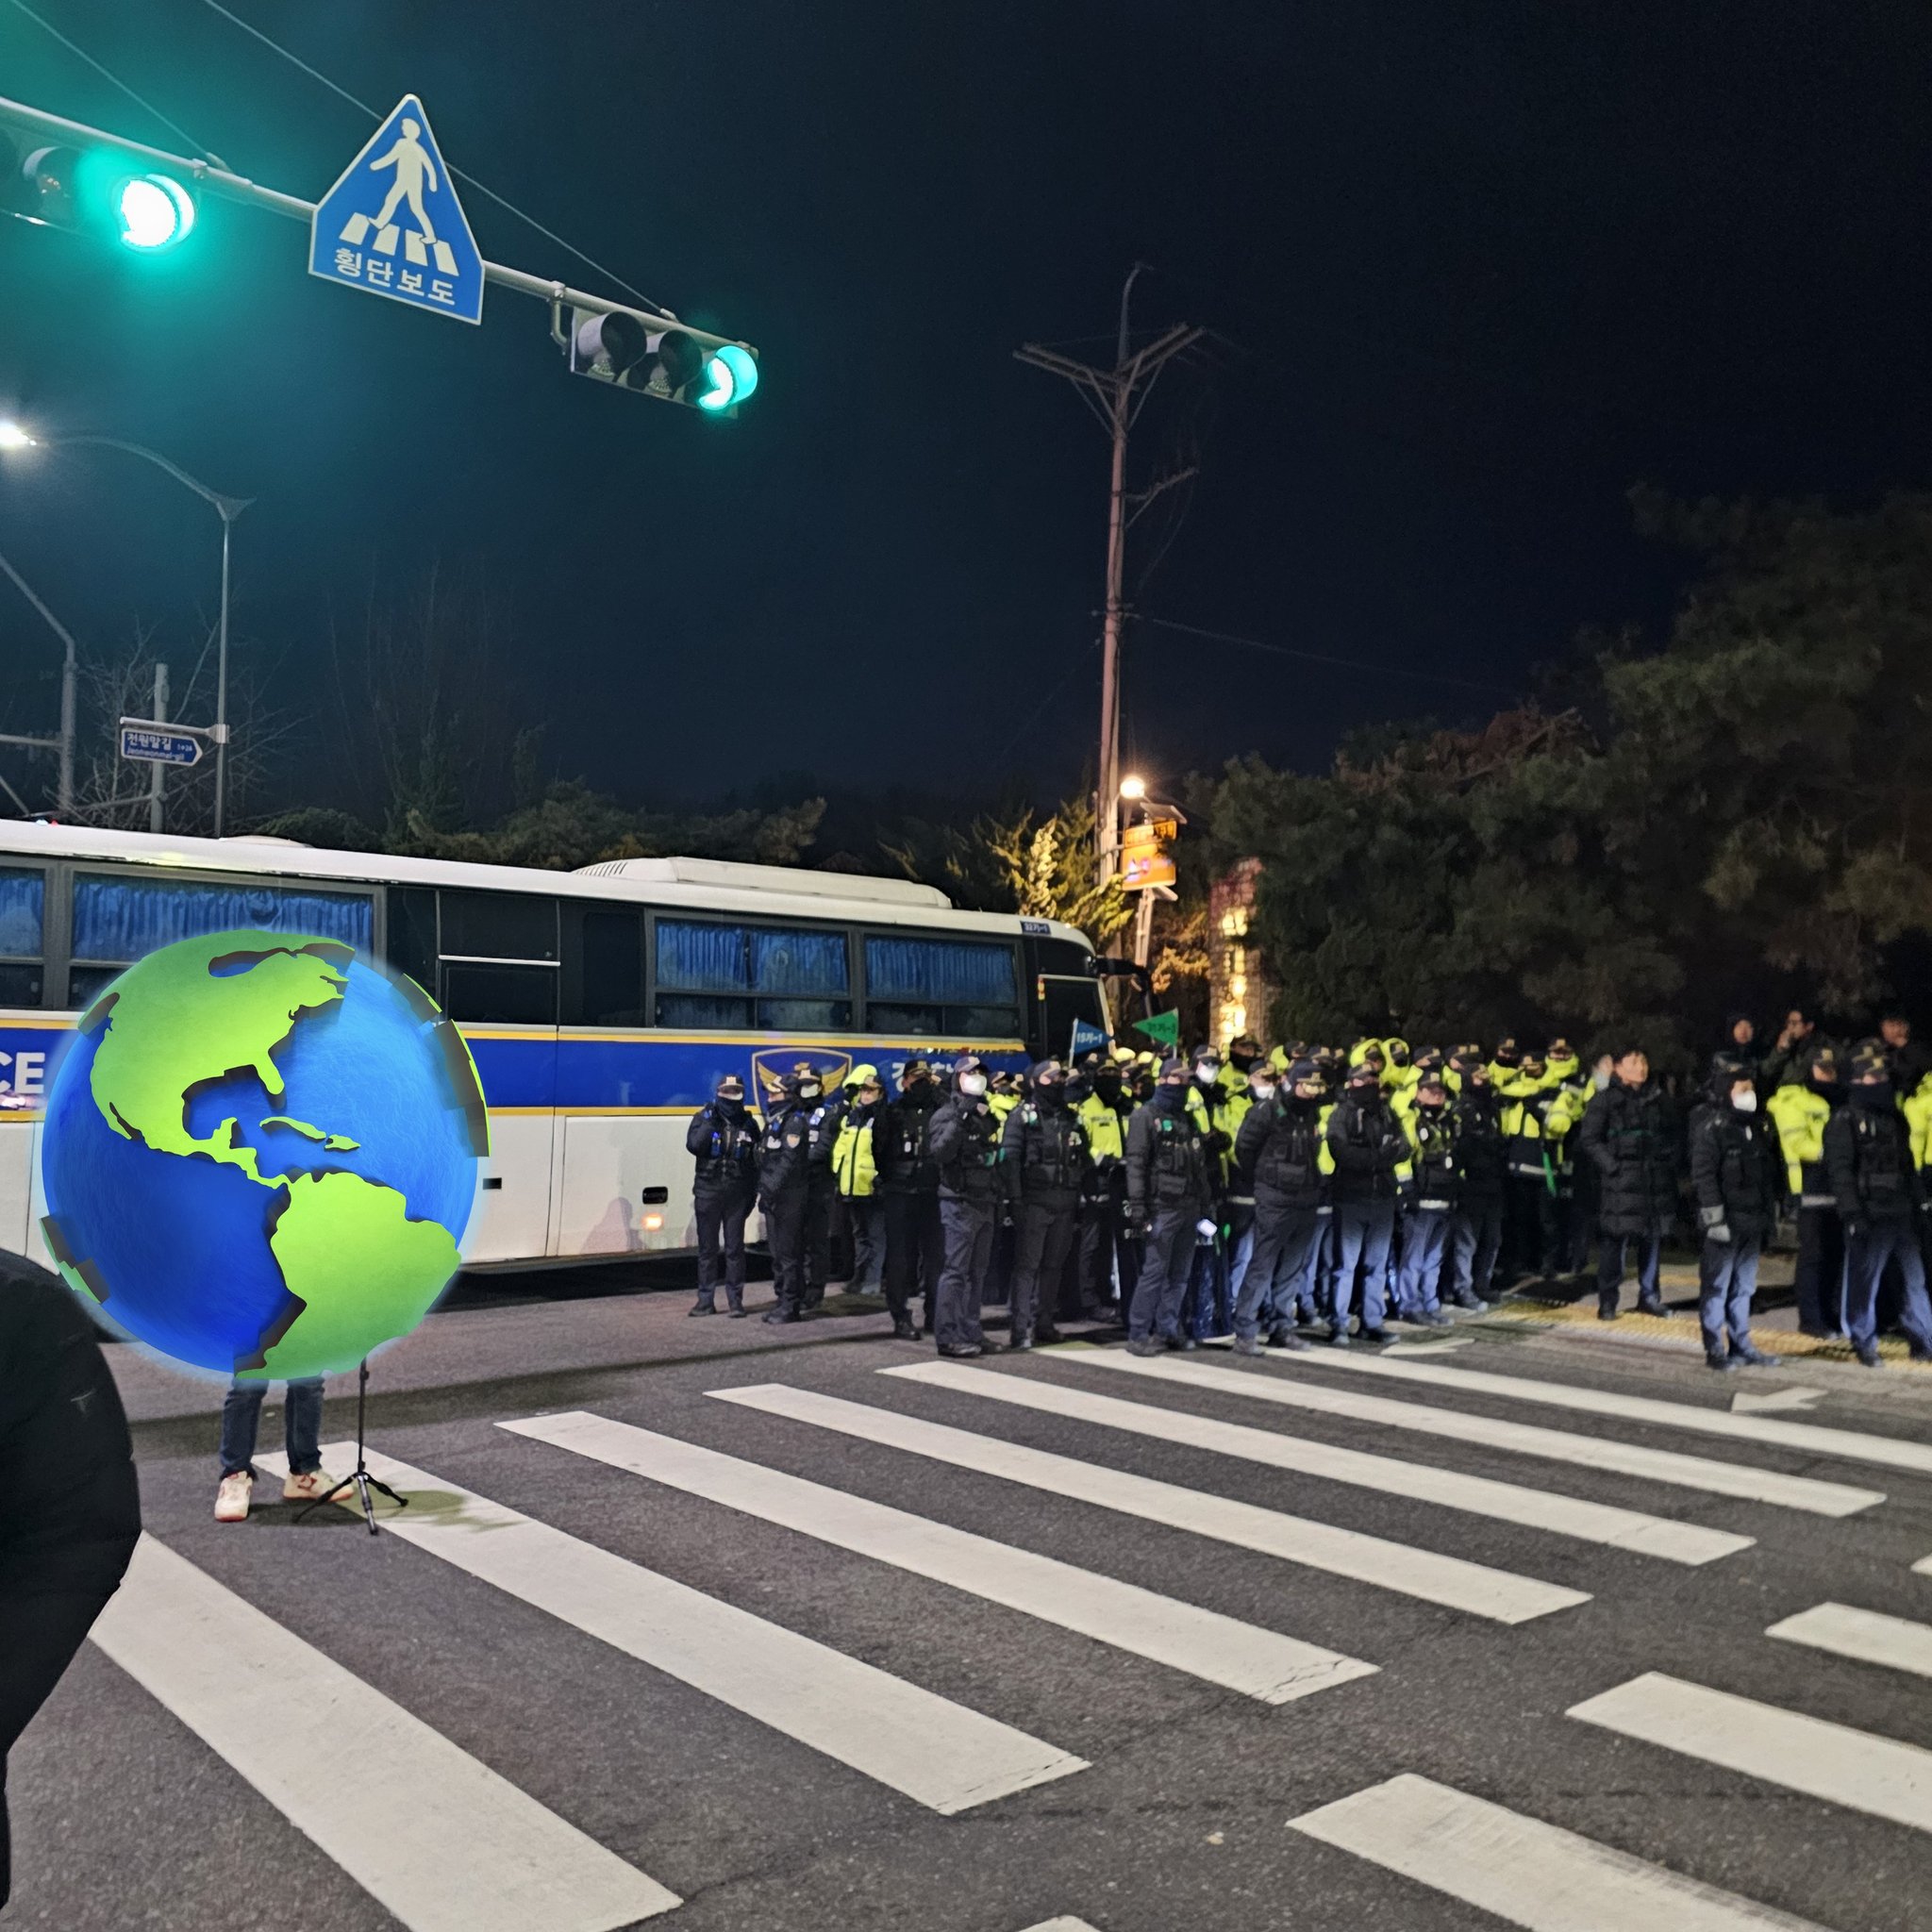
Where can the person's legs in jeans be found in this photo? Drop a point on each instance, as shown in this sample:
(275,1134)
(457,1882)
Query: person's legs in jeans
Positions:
(1426,1231)
(867,1257)
(1609,1272)
(302,1425)
(1650,1253)
(1377,1232)
(241,1423)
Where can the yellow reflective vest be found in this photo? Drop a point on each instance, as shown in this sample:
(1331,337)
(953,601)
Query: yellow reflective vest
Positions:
(1107,1133)
(1799,1113)
(854,1170)
(1918,1113)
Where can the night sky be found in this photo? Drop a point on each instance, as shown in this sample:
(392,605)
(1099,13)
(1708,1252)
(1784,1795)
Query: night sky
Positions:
(1477,271)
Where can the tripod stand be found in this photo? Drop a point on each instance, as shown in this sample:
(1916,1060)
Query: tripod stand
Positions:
(358,1478)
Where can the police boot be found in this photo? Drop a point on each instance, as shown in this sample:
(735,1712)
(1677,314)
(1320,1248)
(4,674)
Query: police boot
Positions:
(1867,1353)
(1046,1336)
(1020,1344)
(1148,1344)
(1287,1338)
(702,1308)
(903,1329)
(1724,1364)
(1606,1308)
(1249,1344)
(1749,1352)
(1650,1305)
(781,1313)
(736,1307)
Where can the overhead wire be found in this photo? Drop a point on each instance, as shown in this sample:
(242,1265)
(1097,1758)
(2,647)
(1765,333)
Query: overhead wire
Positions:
(341,92)
(113,79)
(1379,670)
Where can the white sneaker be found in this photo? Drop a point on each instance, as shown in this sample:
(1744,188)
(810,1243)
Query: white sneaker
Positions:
(231,1499)
(306,1488)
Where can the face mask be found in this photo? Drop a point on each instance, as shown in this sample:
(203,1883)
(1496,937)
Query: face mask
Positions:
(1600,1080)
(1261,1089)
(1745,1102)
(1400,1056)
(1170,1096)
(1078,1088)
(808,1089)
(1108,1085)
(1876,1095)
(971,1085)
(1051,1091)
(1242,1062)
(1207,1073)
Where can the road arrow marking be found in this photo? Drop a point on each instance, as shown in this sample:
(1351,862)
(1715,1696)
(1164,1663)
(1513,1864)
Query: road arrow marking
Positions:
(1742,1404)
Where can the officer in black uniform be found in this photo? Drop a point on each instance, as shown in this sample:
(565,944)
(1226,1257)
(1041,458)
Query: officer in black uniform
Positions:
(1043,1155)
(909,1187)
(784,1190)
(965,1143)
(723,1140)
(1104,1248)
(73,1511)
(825,1114)
(1278,1160)
(1170,1194)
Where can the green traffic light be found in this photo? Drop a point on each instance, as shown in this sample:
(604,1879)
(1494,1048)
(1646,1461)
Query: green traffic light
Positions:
(730,374)
(153,211)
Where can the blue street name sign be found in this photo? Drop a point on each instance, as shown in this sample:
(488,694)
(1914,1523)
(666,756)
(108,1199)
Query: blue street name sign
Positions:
(392,225)
(155,744)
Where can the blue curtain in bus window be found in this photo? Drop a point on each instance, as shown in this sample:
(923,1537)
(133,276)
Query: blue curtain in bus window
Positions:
(701,959)
(798,962)
(20,914)
(952,972)
(125,919)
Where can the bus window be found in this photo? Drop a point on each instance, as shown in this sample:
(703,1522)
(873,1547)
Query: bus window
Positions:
(930,986)
(498,926)
(611,966)
(1062,1003)
(510,994)
(784,979)
(121,918)
(22,896)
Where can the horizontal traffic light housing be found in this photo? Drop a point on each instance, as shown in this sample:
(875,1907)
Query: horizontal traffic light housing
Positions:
(618,347)
(96,192)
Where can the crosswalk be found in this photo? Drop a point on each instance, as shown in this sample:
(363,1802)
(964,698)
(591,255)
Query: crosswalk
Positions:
(1327,1617)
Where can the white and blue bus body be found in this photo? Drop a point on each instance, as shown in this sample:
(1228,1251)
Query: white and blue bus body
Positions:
(602,1005)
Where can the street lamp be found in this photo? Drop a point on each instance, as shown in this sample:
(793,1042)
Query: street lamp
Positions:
(14,437)
(1133,789)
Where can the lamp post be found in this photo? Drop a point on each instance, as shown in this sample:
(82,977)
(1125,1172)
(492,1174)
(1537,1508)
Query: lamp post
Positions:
(12,437)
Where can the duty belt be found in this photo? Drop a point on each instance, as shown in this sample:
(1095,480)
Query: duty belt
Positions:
(1817,1200)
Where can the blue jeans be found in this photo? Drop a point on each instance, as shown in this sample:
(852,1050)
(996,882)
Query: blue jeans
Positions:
(1364,1230)
(1612,1249)
(1727,1280)
(1866,1253)
(302,1425)
(1424,1235)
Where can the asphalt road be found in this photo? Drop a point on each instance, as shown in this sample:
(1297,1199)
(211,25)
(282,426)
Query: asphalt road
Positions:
(566,1685)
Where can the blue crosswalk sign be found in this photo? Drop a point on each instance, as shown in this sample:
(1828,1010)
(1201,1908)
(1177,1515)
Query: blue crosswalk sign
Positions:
(392,225)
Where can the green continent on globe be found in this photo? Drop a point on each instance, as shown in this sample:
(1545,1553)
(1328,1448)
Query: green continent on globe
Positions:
(360,1269)
(199,1011)
(333,1143)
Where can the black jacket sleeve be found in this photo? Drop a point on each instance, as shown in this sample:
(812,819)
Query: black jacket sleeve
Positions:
(697,1136)
(1593,1135)
(1139,1155)
(947,1134)
(1841,1163)
(1707,1160)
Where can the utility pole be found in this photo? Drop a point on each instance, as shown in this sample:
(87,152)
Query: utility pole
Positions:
(160,771)
(1116,397)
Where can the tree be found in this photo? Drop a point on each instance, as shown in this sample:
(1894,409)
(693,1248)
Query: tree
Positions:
(1019,860)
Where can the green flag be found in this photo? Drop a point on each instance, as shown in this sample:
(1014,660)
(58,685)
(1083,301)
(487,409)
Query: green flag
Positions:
(1164,1029)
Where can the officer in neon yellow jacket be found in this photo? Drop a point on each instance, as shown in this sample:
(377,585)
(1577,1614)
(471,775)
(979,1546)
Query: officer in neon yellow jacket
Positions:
(1799,1110)
(854,1175)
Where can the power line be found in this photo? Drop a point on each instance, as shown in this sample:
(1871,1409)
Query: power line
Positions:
(343,92)
(114,80)
(1224,636)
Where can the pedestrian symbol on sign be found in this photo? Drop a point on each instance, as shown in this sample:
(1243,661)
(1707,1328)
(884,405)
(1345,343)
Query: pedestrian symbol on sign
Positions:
(392,225)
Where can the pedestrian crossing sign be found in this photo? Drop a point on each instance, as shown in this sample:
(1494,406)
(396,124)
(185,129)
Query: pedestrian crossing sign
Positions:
(392,225)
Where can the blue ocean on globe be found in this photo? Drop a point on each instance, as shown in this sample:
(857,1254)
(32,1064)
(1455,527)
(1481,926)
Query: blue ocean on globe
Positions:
(182,1245)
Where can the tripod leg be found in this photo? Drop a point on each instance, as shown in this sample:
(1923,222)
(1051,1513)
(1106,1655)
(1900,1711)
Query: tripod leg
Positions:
(376,1483)
(309,1508)
(362,1482)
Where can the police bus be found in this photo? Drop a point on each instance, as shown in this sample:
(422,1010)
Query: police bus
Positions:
(602,1005)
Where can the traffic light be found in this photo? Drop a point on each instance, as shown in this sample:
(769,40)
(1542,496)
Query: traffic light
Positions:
(622,348)
(94,193)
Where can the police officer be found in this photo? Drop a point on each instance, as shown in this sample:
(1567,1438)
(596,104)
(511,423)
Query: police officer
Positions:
(1170,1196)
(1734,1175)
(965,1144)
(1371,1156)
(1800,1107)
(824,1113)
(723,1140)
(855,1173)
(1216,1113)
(1257,1090)
(1104,1113)
(1529,1215)
(1281,1159)
(783,1193)
(1044,1159)
(1430,1208)
(1868,1155)
(1482,1156)
(909,1188)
